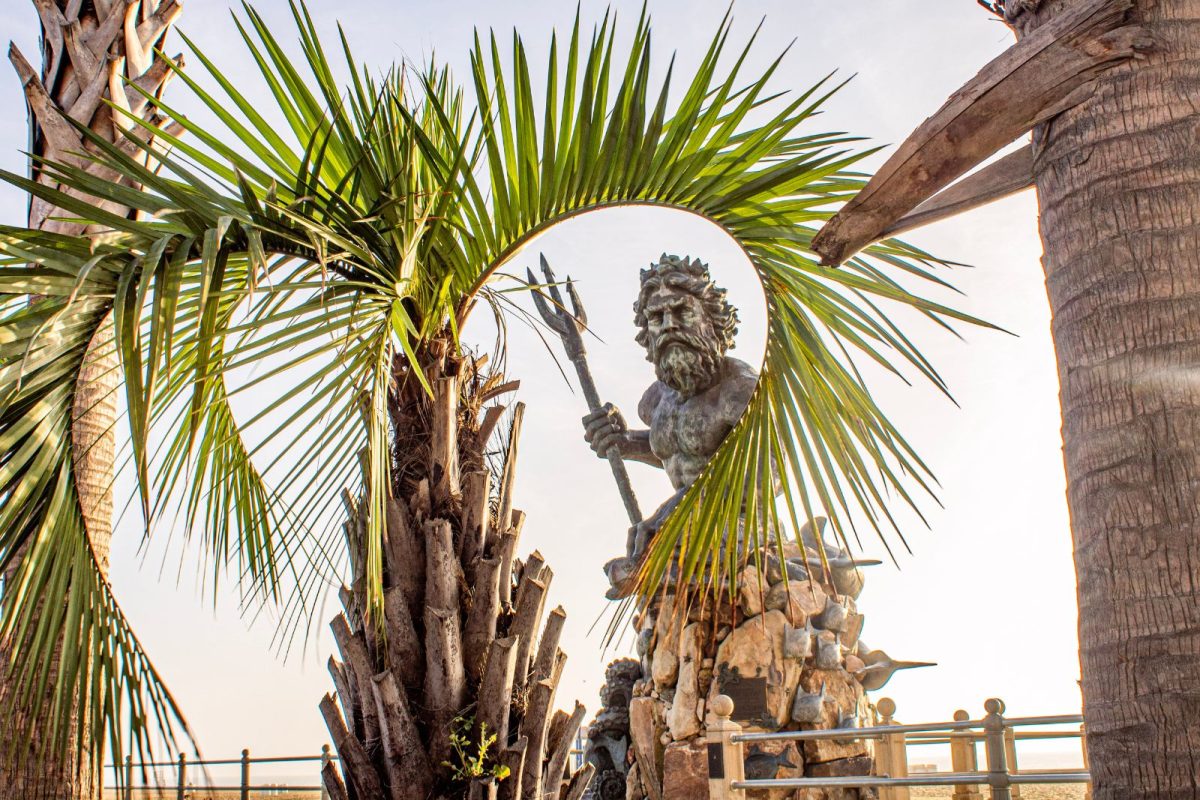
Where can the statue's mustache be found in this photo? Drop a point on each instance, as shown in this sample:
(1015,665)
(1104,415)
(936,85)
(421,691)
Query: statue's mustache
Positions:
(681,338)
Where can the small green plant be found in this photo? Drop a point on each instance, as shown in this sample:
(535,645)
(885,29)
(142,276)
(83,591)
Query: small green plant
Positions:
(471,753)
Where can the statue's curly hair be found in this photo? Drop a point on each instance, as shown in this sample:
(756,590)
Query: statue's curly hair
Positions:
(690,275)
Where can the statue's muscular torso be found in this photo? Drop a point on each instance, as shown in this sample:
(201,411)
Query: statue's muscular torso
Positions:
(685,432)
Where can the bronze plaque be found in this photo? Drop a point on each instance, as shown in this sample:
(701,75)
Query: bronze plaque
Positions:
(749,697)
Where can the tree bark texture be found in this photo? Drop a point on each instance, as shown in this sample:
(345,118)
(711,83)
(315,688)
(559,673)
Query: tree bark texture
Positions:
(1118,180)
(451,661)
(89,51)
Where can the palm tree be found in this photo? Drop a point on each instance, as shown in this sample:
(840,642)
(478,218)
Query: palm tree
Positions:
(89,51)
(341,239)
(1116,185)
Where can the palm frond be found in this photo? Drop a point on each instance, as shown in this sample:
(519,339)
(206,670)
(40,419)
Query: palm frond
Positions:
(342,245)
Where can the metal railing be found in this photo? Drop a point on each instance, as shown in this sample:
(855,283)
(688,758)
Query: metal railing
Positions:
(726,760)
(181,789)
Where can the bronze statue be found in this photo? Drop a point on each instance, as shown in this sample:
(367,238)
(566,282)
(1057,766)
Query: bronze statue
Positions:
(686,326)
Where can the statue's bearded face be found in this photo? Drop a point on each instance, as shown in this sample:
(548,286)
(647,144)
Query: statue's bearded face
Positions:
(681,341)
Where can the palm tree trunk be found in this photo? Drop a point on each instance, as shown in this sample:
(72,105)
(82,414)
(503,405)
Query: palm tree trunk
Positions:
(456,658)
(89,50)
(1118,180)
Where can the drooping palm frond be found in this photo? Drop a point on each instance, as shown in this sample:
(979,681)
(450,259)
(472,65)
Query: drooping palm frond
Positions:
(335,238)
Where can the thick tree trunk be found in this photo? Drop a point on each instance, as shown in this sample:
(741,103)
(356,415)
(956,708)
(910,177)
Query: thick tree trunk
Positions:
(88,51)
(463,658)
(1118,179)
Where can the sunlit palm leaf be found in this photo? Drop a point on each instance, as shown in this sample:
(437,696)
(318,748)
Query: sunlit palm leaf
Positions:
(339,246)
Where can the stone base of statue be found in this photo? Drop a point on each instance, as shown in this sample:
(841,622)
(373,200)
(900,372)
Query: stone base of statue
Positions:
(789,655)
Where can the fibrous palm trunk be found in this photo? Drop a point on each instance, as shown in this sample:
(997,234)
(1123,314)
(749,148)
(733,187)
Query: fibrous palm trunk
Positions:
(456,658)
(1118,180)
(90,49)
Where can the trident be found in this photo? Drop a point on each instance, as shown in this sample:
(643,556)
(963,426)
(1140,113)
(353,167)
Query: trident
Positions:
(570,326)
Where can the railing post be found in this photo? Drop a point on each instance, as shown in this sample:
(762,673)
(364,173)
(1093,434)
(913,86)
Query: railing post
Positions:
(883,748)
(182,770)
(963,759)
(129,777)
(993,739)
(245,786)
(1087,765)
(1010,754)
(726,764)
(325,759)
(891,752)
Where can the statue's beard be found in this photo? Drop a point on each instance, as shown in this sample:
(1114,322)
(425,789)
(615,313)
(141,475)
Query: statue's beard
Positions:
(687,363)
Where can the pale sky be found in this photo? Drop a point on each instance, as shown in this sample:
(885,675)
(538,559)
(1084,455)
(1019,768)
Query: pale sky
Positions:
(989,590)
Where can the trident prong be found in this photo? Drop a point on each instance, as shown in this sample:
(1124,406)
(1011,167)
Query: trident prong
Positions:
(576,304)
(566,323)
(549,316)
(569,324)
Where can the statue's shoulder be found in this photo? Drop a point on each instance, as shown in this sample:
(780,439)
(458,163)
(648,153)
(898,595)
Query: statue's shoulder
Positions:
(739,383)
(650,400)
(740,375)
(739,370)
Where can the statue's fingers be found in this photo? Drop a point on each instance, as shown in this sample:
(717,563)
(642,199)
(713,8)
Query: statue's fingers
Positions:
(607,440)
(591,417)
(599,427)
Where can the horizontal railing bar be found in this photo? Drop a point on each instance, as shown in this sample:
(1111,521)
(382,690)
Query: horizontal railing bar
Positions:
(857,733)
(223,762)
(1050,776)
(231,788)
(1061,719)
(927,738)
(865,781)
(941,779)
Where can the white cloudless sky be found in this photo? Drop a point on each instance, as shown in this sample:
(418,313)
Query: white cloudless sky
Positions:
(988,590)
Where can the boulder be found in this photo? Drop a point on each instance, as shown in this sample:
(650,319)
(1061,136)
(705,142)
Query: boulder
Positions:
(843,696)
(664,665)
(752,669)
(751,591)
(645,728)
(683,721)
(799,599)
(852,630)
(685,771)
(633,785)
(841,768)
(664,662)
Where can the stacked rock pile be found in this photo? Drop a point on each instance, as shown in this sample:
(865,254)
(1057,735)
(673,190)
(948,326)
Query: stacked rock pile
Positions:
(789,654)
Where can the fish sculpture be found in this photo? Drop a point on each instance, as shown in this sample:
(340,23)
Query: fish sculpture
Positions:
(808,706)
(829,651)
(797,642)
(765,766)
(834,616)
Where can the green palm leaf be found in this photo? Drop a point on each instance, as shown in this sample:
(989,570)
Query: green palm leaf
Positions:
(346,249)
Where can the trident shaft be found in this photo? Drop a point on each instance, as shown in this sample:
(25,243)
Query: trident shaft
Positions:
(569,325)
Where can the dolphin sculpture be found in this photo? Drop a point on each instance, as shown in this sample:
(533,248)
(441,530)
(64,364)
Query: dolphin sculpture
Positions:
(880,667)
(844,570)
